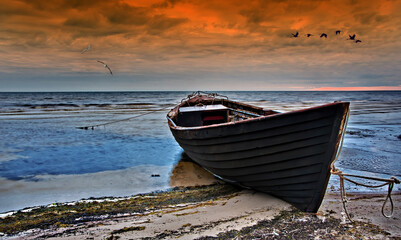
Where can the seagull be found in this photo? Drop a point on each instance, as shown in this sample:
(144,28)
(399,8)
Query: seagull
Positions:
(295,35)
(105,65)
(338,32)
(357,41)
(308,35)
(86,49)
(352,37)
(323,35)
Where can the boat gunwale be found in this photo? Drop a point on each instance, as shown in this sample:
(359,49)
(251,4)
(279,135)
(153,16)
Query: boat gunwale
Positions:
(274,115)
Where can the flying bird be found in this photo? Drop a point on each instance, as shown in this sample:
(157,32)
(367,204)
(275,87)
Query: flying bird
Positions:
(357,41)
(338,32)
(295,35)
(323,35)
(352,37)
(86,49)
(105,65)
(308,35)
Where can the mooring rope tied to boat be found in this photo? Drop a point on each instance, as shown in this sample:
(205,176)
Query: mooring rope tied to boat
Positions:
(390,182)
(209,94)
(343,176)
(92,127)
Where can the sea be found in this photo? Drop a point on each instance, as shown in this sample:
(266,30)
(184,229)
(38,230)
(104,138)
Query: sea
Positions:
(48,156)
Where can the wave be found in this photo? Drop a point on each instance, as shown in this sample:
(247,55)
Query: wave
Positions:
(72,105)
(47,105)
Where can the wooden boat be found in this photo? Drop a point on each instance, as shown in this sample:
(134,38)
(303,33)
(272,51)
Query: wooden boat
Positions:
(288,155)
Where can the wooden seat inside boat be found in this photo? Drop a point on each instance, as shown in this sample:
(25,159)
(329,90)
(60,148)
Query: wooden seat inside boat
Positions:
(204,115)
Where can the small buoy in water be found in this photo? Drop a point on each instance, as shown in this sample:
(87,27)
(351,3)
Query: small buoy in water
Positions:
(155,175)
(399,137)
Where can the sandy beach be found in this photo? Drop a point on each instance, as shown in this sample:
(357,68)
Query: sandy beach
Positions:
(228,213)
(200,206)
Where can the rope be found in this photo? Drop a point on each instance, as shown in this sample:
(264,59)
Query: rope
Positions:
(197,93)
(390,182)
(214,95)
(121,120)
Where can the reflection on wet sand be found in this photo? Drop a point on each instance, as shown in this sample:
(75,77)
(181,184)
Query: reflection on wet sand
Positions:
(188,173)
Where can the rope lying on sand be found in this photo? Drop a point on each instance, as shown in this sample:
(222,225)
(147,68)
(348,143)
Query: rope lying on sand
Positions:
(390,182)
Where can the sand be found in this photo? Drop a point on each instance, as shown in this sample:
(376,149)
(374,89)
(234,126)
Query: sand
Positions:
(233,212)
(366,208)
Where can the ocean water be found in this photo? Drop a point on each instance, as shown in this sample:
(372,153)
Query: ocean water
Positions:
(46,158)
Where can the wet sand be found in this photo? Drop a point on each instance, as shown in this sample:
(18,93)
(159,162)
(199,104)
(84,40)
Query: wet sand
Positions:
(187,173)
(47,189)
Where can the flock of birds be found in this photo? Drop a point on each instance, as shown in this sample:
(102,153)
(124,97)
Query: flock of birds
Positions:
(338,32)
(104,64)
(296,35)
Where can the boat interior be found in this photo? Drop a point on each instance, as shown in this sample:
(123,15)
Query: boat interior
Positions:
(216,113)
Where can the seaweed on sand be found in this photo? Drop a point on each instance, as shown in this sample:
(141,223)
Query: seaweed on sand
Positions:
(295,224)
(59,215)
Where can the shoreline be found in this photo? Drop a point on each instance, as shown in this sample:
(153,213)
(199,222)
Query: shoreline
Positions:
(205,212)
(21,194)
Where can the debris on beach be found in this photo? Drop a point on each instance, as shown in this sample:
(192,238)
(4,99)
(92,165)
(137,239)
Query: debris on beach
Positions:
(61,215)
(295,224)
(185,212)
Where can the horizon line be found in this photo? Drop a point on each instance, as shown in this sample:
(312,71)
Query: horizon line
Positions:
(307,90)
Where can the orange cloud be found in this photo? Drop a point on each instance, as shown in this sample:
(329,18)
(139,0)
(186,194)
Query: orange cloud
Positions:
(222,39)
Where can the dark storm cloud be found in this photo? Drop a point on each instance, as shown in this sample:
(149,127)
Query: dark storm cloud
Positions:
(160,23)
(84,21)
(167,3)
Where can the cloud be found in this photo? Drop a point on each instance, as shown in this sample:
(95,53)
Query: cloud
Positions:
(161,23)
(167,3)
(87,21)
(251,39)
(125,14)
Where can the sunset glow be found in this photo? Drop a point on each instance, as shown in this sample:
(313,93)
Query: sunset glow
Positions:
(199,45)
(378,88)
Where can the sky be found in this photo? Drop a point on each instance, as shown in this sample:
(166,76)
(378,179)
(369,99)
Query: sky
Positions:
(191,45)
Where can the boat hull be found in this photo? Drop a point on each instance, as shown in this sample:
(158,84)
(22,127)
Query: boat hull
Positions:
(288,155)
